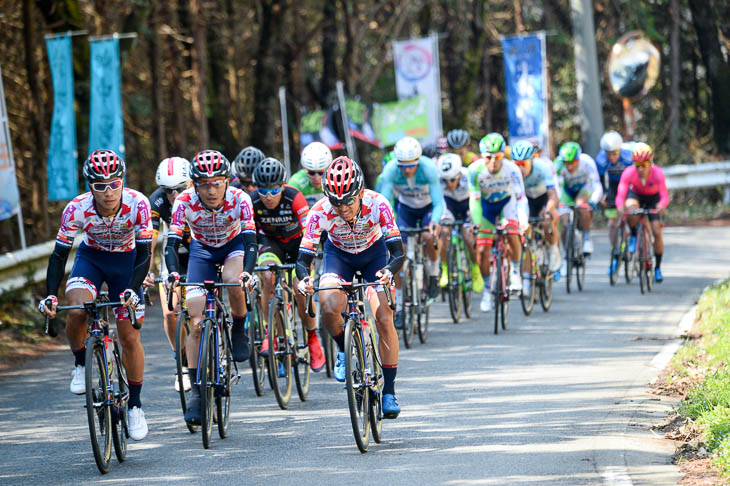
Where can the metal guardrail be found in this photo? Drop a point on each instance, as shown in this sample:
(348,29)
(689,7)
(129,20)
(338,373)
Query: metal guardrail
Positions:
(709,174)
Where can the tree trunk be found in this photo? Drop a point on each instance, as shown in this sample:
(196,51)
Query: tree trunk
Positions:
(329,51)
(199,53)
(519,25)
(159,136)
(704,19)
(674,80)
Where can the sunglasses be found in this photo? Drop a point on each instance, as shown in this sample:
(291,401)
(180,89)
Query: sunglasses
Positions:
(453,179)
(407,166)
(345,202)
(212,184)
(173,190)
(103,186)
(497,156)
(269,191)
(642,164)
(313,173)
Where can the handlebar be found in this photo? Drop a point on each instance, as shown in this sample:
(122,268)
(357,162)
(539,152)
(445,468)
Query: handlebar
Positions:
(88,307)
(348,288)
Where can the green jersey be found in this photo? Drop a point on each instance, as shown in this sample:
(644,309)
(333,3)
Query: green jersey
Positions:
(300,180)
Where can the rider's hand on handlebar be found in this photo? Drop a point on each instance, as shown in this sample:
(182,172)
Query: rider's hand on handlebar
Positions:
(173,280)
(149,280)
(48,311)
(385,276)
(132,301)
(306,286)
(247,280)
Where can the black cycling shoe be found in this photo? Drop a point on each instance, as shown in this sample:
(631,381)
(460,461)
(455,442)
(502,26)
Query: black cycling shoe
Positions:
(192,412)
(398,320)
(433,287)
(239,343)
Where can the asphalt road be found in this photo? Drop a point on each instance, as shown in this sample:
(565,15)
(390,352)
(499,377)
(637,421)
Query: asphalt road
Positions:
(560,398)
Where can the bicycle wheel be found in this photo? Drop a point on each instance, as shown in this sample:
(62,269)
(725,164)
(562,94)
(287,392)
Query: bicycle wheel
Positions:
(181,332)
(496,289)
(424,311)
(642,258)
(569,256)
(376,381)
(223,389)
(649,259)
(580,266)
(628,258)
(120,417)
(207,371)
(302,359)
(98,410)
(455,289)
(357,388)
(504,304)
(408,306)
(614,257)
(327,345)
(546,289)
(279,354)
(256,336)
(527,295)
(465,282)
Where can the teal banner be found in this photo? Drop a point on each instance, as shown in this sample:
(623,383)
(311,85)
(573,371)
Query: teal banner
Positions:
(63,183)
(106,129)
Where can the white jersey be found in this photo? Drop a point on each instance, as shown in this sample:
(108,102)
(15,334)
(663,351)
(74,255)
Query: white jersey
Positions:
(461,192)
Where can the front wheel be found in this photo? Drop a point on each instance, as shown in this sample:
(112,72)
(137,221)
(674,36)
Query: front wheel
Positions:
(356,384)
(376,384)
(527,296)
(279,354)
(408,305)
(301,359)
(120,416)
(455,285)
(496,290)
(569,255)
(207,374)
(181,333)
(98,409)
(223,389)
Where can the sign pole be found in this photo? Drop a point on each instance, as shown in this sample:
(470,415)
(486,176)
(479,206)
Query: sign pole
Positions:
(349,142)
(284,129)
(6,130)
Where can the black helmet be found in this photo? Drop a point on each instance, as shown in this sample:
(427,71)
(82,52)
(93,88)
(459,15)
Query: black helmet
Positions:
(103,164)
(458,138)
(270,172)
(209,163)
(247,160)
(430,150)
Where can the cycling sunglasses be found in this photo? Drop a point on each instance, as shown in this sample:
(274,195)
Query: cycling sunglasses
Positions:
(172,190)
(345,202)
(269,191)
(408,164)
(642,164)
(213,184)
(453,179)
(498,156)
(103,186)
(313,173)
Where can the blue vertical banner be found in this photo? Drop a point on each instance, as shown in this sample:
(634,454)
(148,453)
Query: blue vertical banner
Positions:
(526,85)
(9,196)
(106,129)
(63,182)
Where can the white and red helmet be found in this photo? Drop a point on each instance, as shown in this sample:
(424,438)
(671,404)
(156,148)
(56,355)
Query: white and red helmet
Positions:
(173,172)
(210,163)
(342,180)
(316,157)
(103,164)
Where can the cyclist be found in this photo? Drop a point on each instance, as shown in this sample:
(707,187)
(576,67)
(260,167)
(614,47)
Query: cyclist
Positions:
(643,185)
(580,184)
(361,233)
(541,192)
(611,162)
(280,213)
(386,158)
(244,163)
(115,250)
(419,199)
(459,141)
(315,158)
(496,191)
(221,224)
(173,177)
(455,185)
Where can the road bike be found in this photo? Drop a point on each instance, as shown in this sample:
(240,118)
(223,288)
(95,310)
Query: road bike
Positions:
(575,259)
(328,344)
(499,278)
(620,256)
(643,258)
(458,264)
(107,388)
(535,257)
(415,305)
(257,330)
(364,371)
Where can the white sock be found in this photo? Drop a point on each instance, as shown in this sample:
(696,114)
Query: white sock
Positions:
(515,265)
(587,234)
(434,267)
(398,296)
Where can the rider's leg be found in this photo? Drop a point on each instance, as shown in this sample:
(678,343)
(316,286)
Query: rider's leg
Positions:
(76,323)
(445,241)
(232,269)
(333,303)
(388,342)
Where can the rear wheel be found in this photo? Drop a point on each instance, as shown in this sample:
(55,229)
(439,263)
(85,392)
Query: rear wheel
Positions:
(527,295)
(466,282)
(569,256)
(357,389)
(223,390)
(496,290)
(256,336)
(279,354)
(504,304)
(181,333)
(408,306)
(455,285)
(98,410)
(615,257)
(207,373)
(581,260)
(301,359)
(120,422)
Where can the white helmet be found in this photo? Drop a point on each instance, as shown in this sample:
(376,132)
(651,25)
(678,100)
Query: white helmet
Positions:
(449,166)
(407,149)
(316,156)
(611,141)
(173,172)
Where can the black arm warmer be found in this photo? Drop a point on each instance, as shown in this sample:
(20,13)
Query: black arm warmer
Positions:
(304,264)
(171,254)
(249,260)
(141,265)
(56,268)
(395,248)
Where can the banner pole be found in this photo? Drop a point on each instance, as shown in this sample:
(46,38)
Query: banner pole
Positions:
(349,143)
(6,128)
(284,129)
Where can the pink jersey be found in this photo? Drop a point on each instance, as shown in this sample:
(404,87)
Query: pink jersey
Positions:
(118,233)
(212,228)
(375,221)
(655,184)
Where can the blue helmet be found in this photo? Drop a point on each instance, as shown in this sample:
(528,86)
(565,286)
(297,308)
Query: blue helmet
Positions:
(522,150)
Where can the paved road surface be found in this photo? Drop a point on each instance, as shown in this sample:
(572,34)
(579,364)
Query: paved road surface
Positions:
(557,399)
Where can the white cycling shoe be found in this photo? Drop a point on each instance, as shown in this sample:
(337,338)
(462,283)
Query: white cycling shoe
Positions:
(137,424)
(587,246)
(185,380)
(486,304)
(555,258)
(515,282)
(78,380)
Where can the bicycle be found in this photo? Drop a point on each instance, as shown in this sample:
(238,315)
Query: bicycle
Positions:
(214,376)
(644,256)
(574,256)
(258,331)
(415,304)
(458,264)
(499,278)
(620,254)
(535,253)
(328,344)
(107,388)
(288,348)
(363,367)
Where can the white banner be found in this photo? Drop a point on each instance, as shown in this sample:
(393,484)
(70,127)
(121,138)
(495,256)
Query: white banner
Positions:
(417,73)
(9,199)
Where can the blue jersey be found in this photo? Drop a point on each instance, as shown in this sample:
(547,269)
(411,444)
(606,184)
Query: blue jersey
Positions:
(541,179)
(421,190)
(613,171)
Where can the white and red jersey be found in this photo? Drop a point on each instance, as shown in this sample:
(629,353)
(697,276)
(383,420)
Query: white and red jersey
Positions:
(212,227)
(375,221)
(118,233)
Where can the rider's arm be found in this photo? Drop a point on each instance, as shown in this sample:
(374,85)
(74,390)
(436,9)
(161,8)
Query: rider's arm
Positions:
(434,184)
(56,268)
(596,187)
(313,228)
(300,207)
(142,242)
(248,228)
(475,196)
(175,235)
(395,248)
(141,265)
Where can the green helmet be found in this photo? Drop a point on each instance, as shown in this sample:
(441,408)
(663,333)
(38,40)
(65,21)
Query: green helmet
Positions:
(491,143)
(570,151)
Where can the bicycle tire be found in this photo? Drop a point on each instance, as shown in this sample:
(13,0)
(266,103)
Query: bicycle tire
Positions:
(649,259)
(207,372)
(327,346)
(377,382)
(357,389)
(223,390)
(120,416)
(580,267)
(407,306)
(496,290)
(98,410)
(256,336)
(466,284)
(627,258)
(279,352)
(614,256)
(546,290)
(455,287)
(181,332)
(301,359)
(424,313)
(642,257)
(528,299)
(569,255)
(504,313)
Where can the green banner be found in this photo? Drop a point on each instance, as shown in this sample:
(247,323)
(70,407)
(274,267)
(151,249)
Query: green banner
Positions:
(398,119)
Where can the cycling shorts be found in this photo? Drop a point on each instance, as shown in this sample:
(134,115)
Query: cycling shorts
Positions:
(412,218)
(504,210)
(537,205)
(340,266)
(455,210)
(272,249)
(568,197)
(203,261)
(92,268)
(646,202)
